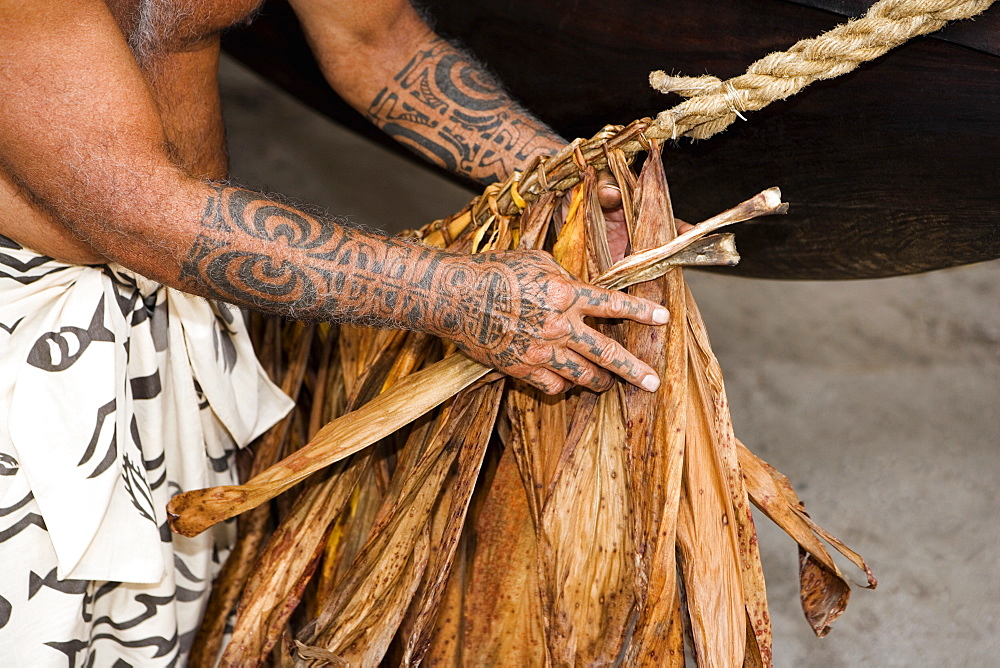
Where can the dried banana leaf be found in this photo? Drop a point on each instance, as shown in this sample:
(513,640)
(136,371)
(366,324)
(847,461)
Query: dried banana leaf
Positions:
(576,529)
(656,425)
(586,552)
(191,514)
(825,590)
(251,527)
(285,567)
(365,610)
(500,622)
(758,631)
(287,561)
(447,525)
(707,541)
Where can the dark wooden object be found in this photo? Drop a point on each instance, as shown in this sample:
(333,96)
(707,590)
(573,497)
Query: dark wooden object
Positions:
(892,169)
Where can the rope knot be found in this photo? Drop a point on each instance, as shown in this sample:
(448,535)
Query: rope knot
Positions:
(713,104)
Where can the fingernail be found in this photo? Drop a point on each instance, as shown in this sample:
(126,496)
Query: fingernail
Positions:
(650,383)
(661,315)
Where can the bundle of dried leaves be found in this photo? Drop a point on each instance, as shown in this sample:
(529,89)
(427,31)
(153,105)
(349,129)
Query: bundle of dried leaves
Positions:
(454,517)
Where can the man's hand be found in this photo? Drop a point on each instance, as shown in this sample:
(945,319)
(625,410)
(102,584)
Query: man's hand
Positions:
(521,313)
(610,197)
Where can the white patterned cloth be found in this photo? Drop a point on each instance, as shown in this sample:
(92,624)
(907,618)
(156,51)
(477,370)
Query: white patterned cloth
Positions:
(116,393)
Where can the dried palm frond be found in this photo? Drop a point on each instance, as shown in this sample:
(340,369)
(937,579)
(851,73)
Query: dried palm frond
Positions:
(455,517)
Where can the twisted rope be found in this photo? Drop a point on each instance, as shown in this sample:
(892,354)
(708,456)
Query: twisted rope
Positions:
(713,104)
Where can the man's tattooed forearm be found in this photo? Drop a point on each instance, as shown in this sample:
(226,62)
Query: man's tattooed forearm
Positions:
(266,255)
(447,108)
(517,311)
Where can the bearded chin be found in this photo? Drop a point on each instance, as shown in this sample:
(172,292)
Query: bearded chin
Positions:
(154,23)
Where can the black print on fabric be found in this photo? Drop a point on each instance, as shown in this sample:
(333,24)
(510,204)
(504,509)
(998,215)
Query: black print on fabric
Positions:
(183,569)
(58,351)
(158,324)
(70,648)
(50,581)
(166,535)
(164,646)
(219,464)
(25,272)
(89,599)
(8,465)
(31,519)
(151,465)
(4,512)
(138,491)
(10,329)
(146,387)
(126,302)
(103,413)
(20,265)
(222,337)
(140,315)
(28,280)
(5,608)
(150,604)
(154,463)
(200,394)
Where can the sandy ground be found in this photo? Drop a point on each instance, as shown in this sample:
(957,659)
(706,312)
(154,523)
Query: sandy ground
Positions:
(879,399)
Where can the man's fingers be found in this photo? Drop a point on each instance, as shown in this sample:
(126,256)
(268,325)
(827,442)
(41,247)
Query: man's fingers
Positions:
(547,381)
(580,371)
(611,355)
(608,193)
(603,303)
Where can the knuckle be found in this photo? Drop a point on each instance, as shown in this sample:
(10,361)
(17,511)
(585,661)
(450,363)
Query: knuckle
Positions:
(619,304)
(561,294)
(607,382)
(594,378)
(607,352)
(586,375)
(546,382)
(628,306)
(540,258)
(555,328)
(537,355)
(555,388)
(600,382)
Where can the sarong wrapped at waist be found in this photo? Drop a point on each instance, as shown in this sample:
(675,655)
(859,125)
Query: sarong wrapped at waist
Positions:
(115,394)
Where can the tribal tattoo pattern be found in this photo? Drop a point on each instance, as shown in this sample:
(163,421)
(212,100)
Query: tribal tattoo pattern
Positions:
(259,253)
(445,107)
(515,311)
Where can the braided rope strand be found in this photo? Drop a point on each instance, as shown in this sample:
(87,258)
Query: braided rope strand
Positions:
(713,104)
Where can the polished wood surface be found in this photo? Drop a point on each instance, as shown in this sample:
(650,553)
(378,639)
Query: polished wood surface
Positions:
(892,169)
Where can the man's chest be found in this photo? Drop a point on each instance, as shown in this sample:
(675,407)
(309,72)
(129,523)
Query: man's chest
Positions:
(158,26)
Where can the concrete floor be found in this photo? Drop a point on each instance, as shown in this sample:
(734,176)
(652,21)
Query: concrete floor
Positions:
(879,399)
